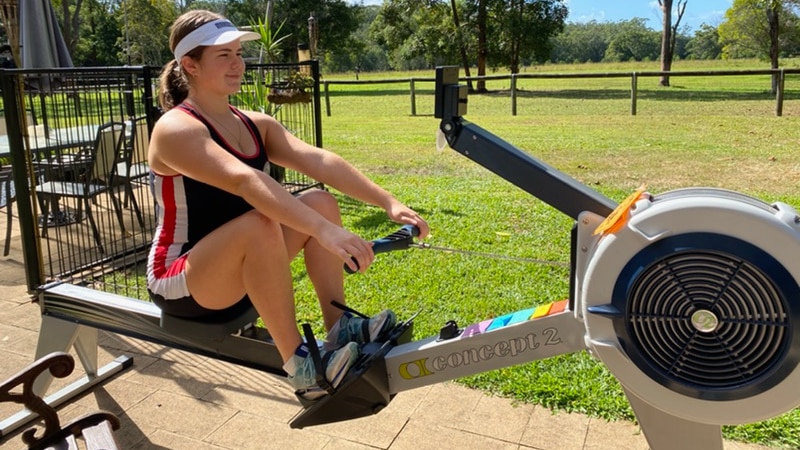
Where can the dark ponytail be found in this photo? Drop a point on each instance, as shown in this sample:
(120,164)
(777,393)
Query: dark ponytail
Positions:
(173,87)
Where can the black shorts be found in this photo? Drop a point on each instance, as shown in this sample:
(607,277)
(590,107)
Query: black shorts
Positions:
(188,307)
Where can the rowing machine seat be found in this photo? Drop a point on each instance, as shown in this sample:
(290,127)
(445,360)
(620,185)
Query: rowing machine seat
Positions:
(214,326)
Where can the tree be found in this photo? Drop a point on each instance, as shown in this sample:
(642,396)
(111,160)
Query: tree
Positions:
(337,21)
(148,23)
(70,12)
(416,34)
(704,44)
(507,33)
(483,47)
(521,31)
(756,28)
(100,33)
(581,42)
(462,45)
(633,41)
(668,35)
(364,54)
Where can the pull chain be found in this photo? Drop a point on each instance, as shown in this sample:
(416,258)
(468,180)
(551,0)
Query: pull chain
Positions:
(425,246)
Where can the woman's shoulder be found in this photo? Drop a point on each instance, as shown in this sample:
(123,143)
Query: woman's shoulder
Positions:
(176,120)
(257,117)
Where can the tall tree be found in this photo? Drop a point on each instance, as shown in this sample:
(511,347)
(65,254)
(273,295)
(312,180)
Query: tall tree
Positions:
(100,33)
(632,40)
(669,34)
(462,45)
(337,20)
(757,28)
(521,31)
(483,46)
(582,42)
(512,32)
(704,44)
(70,12)
(148,23)
(415,33)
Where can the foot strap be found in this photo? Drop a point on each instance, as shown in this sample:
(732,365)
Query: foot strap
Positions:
(346,308)
(319,361)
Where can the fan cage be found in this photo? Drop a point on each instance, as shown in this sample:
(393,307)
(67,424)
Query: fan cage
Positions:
(706,322)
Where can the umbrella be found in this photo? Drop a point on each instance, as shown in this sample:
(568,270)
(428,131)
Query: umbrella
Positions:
(42,45)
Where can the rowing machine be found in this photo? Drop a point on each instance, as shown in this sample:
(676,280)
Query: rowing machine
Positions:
(690,298)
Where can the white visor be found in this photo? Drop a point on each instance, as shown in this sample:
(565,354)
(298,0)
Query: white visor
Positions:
(218,32)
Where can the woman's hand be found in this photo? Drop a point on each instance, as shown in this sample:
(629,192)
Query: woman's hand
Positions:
(401,213)
(353,250)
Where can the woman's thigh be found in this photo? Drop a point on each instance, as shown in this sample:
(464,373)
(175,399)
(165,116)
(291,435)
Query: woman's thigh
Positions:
(215,265)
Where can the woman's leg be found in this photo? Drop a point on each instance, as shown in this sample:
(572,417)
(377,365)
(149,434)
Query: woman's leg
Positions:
(247,255)
(327,275)
(325,270)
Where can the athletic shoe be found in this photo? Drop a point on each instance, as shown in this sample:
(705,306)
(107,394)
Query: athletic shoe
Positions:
(350,328)
(302,373)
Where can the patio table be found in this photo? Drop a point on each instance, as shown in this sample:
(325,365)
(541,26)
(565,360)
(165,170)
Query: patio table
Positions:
(52,156)
(53,141)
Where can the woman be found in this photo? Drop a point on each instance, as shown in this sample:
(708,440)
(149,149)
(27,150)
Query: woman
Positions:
(227,231)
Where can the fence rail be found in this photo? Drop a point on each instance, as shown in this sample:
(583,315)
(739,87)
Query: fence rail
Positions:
(778,74)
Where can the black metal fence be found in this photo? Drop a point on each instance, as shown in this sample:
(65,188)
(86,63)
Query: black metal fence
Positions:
(76,142)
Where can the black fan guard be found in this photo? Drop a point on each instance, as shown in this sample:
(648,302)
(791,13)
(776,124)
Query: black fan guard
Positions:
(708,315)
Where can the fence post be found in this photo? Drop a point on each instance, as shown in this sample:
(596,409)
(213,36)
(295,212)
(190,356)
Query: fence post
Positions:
(22,168)
(779,95)
(413,97)
(317,112)
(327,100)
(634,88)
(513,94)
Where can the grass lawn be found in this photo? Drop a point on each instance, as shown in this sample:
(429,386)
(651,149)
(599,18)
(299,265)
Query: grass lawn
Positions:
(718,132)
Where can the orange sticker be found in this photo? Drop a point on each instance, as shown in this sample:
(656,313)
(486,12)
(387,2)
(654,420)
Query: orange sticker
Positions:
(619,216)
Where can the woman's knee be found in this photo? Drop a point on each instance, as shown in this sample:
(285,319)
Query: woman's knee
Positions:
(321,201)
(260,228)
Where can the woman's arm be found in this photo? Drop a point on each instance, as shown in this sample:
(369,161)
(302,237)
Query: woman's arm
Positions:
(182,145)
(331,169)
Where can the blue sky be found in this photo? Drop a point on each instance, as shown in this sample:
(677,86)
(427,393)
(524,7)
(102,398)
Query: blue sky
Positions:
(697,11)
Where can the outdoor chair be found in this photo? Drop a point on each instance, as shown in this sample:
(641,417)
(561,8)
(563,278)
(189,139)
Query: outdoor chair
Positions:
(94,172)
(133,167)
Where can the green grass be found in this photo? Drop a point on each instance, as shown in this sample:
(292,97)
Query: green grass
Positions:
(701,132)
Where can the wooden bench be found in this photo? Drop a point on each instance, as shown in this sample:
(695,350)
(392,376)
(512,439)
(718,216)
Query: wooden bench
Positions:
(95,428)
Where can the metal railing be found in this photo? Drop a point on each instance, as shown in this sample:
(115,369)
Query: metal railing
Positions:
(103,237)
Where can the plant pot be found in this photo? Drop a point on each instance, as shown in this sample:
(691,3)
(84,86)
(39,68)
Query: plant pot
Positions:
(287,96)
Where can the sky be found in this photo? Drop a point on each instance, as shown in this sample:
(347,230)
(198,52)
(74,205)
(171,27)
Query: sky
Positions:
(697,11)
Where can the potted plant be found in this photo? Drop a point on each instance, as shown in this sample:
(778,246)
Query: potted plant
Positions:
(292,89)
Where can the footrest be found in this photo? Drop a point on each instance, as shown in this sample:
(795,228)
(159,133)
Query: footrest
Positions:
(363,392)
(217,326)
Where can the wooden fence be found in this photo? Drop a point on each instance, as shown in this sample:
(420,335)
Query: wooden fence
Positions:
(779,74)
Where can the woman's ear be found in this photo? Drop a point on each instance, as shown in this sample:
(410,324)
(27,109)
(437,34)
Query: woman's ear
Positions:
(189,65)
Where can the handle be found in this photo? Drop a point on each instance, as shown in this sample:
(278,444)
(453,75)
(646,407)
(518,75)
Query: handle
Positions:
(399,240)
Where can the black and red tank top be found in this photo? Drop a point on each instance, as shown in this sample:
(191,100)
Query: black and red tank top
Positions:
(188,209)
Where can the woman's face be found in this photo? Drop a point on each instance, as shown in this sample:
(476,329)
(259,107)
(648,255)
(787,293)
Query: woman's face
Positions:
(220,68)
